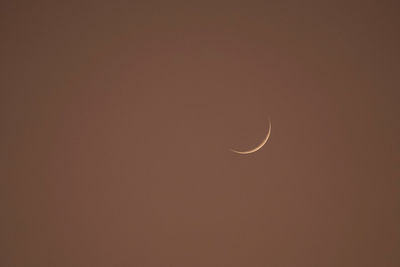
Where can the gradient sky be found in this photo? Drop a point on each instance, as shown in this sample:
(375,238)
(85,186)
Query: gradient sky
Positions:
(117,120)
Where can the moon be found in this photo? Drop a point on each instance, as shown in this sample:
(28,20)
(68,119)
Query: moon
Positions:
(257,147)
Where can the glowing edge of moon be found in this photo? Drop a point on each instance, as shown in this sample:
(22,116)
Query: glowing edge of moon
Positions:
(259,146)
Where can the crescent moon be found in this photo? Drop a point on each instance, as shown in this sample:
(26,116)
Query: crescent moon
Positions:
(257,147)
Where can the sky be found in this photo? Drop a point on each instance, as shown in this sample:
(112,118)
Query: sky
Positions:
(117,120)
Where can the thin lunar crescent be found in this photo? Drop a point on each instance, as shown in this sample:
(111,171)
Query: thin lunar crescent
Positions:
(259,146)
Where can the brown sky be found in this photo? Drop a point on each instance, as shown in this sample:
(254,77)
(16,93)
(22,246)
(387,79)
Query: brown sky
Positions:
(117,120)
